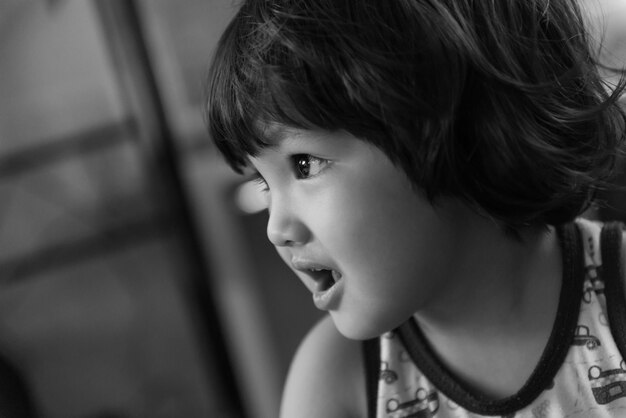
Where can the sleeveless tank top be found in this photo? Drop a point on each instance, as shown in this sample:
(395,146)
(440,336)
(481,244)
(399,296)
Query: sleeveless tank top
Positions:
(581,373)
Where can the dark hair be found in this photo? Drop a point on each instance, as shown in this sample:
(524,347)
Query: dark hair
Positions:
(498,103)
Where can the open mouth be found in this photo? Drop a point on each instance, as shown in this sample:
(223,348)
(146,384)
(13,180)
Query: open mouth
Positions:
(325,279)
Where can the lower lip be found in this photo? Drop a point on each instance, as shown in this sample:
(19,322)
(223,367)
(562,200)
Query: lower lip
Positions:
(329,298)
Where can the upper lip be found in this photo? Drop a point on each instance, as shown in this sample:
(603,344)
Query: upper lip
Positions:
(309,268)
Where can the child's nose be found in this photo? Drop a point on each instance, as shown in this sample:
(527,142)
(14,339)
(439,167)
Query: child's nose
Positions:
(285,228)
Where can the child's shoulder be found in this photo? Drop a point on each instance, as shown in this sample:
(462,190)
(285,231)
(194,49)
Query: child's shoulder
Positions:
(326,376)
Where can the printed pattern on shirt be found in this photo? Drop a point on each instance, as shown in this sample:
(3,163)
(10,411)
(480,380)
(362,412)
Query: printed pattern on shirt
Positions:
(591,382)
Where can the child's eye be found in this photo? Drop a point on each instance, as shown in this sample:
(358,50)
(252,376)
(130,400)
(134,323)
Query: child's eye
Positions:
(306,165)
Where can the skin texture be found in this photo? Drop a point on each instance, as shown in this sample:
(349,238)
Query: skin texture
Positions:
(338,203)
(356,214)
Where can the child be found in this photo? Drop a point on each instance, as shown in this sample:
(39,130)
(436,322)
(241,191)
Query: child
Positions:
(424,162)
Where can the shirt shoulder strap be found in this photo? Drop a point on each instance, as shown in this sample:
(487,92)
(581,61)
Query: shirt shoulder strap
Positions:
(371,358)
(612,271)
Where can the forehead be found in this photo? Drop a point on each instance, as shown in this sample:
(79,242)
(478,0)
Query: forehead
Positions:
(276,136)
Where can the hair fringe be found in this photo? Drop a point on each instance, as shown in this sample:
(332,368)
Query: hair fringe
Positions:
(497,103)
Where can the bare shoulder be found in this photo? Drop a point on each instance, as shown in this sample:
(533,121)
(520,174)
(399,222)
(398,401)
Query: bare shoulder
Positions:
(326,377)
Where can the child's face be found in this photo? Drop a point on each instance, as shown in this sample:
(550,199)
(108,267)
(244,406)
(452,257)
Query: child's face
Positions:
(339,205)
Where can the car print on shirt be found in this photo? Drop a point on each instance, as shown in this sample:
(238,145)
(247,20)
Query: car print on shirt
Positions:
(593,283)
(404,357)
(425,405)
(608,385)
(386,374)
(582,337)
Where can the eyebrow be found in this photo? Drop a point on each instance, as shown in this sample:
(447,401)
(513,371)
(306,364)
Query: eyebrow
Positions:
(279,134)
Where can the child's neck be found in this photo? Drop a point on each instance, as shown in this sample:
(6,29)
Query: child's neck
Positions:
(499,310)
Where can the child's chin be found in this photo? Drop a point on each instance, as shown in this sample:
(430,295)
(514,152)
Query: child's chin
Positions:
(356,329)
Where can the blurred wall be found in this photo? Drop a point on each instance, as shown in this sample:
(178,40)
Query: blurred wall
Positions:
(98,309)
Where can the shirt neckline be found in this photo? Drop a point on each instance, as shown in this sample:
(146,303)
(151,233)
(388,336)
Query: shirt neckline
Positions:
(551,359)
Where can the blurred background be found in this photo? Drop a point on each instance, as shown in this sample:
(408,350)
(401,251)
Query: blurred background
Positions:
(135,276)
(134,281)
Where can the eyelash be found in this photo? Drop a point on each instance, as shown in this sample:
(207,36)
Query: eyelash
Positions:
(258,179)
(296,167)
